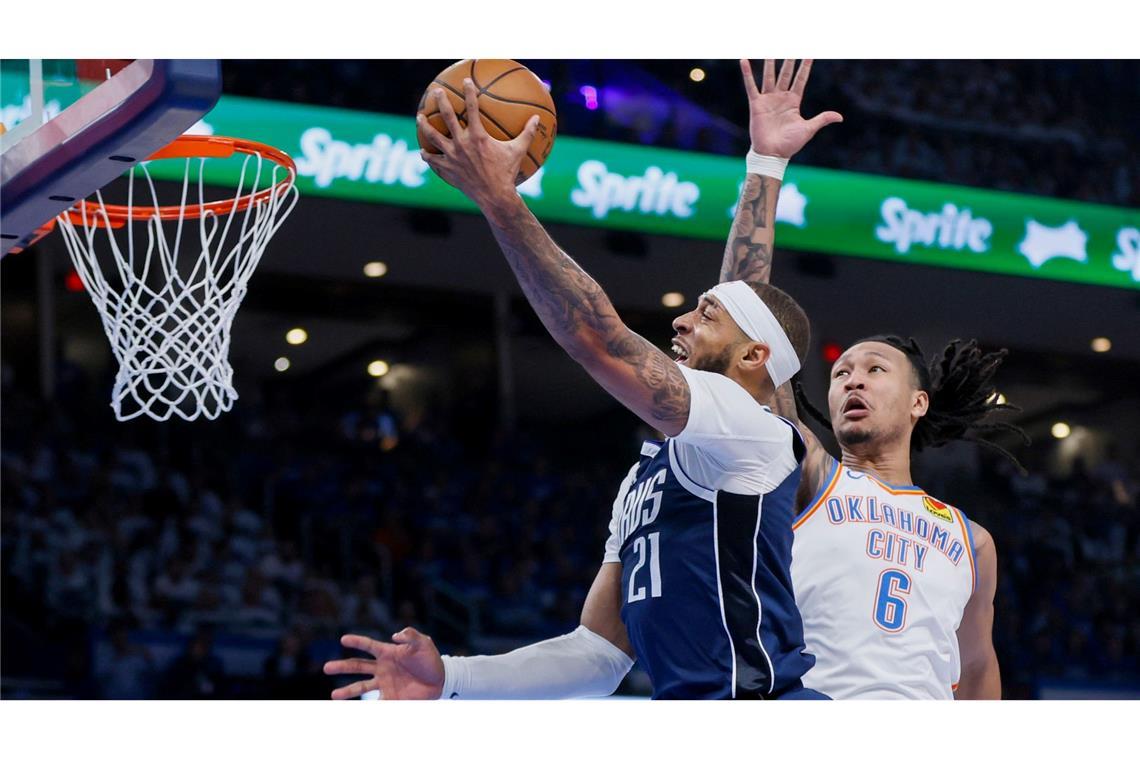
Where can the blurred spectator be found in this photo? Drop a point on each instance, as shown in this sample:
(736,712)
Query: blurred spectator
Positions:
(364,611)
(283,567)
(290,673)
(198,673)
(260,603)
(175,590)
(129,671)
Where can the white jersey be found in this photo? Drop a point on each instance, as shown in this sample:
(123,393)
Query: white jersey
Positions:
(881,575)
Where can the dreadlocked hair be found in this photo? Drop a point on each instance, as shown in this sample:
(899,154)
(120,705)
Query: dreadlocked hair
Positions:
(962,395)
(803,404)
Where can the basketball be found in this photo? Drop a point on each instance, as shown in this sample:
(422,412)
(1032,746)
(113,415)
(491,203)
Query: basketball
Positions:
(509,94)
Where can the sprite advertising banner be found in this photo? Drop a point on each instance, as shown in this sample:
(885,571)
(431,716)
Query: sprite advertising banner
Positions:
(374,157)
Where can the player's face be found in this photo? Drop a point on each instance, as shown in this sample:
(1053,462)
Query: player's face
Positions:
(706,337)
(873,399)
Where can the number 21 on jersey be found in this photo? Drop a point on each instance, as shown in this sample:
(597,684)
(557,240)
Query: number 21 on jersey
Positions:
(646,551)
(890,600)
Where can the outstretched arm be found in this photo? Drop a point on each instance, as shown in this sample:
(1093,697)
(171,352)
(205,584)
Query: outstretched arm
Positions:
(776,129)
(569,302)
(589,662)
(981,677)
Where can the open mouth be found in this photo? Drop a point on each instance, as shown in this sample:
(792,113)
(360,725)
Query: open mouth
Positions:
(855,408)
(680,355)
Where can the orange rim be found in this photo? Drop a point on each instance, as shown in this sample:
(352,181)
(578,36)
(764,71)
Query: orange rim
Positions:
(191,146)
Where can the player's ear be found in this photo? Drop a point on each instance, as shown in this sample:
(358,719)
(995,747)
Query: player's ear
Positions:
(755,355)
(920,405)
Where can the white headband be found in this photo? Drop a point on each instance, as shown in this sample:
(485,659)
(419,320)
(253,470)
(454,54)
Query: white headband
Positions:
(758,323)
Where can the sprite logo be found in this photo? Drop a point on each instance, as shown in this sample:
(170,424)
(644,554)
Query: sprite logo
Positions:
(950,229)
(384,160)
(655,192)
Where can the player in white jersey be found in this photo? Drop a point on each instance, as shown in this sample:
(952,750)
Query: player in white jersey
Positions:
(888,610)
(885,572)
(895,587)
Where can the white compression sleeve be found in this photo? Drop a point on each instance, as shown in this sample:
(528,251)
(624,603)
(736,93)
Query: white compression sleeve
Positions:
(579,664)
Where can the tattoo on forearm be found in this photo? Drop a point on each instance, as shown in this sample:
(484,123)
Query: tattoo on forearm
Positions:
(578,313)
(748,255)
(567,299)
(657,372)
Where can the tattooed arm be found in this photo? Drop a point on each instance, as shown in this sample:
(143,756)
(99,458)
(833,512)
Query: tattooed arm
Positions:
(748,254)
(573,307)
(581,318)
(776,129)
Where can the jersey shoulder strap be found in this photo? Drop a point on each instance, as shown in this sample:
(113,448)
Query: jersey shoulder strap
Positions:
(968,538)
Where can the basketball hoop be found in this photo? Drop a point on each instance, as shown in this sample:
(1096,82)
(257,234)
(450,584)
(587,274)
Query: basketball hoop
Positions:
(168,316)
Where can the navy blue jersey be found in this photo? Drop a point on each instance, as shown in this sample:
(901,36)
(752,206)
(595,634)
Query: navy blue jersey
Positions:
(706,585)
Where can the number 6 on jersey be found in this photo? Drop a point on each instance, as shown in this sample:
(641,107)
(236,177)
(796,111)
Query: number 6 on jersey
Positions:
(890,601)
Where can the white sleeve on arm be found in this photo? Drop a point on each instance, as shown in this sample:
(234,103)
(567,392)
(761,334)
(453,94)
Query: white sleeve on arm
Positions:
(732,442)
(579,664)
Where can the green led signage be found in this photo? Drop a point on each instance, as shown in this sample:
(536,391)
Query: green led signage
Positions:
(374,157)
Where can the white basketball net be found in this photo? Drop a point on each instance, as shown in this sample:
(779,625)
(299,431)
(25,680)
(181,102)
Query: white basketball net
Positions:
(167,307)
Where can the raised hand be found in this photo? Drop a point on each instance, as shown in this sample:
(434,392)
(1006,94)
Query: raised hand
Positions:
(481,166)
(411,668)
(774,121)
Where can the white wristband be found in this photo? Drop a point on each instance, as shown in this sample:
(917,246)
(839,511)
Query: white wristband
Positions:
(768,166)
(579,664)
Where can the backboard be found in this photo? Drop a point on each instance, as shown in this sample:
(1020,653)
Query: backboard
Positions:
(73,126)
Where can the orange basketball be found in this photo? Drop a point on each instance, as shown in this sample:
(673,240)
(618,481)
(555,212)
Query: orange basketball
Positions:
(509,94)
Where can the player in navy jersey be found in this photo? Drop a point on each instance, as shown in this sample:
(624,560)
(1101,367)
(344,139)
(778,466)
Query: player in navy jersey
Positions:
(695,581)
